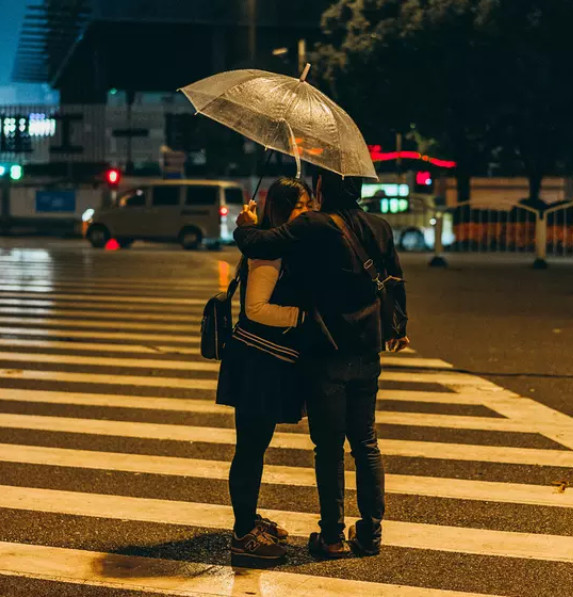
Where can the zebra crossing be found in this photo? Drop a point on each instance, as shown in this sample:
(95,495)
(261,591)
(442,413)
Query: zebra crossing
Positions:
(114,457)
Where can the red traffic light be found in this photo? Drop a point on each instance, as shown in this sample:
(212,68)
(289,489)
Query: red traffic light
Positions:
(424,179)
(112,177)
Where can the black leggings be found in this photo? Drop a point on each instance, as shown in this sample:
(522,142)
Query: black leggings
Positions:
(254,435)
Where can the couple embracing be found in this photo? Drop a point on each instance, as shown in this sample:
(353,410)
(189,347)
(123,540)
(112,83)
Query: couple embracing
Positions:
(308,342)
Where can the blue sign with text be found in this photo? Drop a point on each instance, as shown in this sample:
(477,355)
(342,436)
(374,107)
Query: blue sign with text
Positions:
(49,201)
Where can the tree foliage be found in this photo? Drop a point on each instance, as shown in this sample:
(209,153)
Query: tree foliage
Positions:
(472,74)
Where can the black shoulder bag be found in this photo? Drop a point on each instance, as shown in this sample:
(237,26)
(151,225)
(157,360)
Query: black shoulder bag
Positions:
(392,316)
(217,322)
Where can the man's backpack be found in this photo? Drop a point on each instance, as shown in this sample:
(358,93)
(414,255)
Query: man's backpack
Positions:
(383,320)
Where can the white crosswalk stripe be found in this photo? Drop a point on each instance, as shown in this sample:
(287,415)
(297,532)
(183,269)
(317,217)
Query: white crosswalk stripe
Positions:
(286,441)
(85,323)
(94,334)
(169,577)
(102,298)
(535,546)
(109,361)
(83,315)
(284,475)
(99,305)
(382,417)
(74,347)
(105,283)
(108,336)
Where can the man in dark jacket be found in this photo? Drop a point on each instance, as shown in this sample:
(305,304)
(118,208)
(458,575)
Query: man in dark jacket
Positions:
(342,364)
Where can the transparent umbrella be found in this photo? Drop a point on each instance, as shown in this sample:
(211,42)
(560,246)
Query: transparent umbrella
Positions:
(287,115)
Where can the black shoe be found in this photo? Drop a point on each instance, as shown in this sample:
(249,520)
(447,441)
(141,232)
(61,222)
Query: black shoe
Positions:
(270,527)
(332,551)
(254,548)
(362,548)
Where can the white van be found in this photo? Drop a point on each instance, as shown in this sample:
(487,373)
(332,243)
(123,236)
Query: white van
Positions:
(190,212)
(412,216)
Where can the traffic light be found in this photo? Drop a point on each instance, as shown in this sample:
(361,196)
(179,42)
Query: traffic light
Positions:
(113,178)
(424,183)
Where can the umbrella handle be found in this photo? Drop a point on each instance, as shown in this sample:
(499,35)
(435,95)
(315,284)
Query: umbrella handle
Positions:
(296,155)
(254,197)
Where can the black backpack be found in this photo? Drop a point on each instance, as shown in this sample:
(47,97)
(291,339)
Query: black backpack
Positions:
(217,322)
(383,320)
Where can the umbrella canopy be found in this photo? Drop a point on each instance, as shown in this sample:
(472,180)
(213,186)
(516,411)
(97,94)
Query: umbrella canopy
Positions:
(285,114)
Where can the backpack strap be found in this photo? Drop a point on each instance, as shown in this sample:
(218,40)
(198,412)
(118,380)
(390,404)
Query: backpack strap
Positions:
(234,283)
(367,263)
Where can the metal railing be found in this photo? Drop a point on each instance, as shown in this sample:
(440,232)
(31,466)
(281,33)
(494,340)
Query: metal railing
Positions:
(511,230)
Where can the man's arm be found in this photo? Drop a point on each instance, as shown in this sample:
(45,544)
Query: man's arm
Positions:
(275,243)
(394,268)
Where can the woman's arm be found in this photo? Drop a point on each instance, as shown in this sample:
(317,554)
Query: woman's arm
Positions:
(261,282)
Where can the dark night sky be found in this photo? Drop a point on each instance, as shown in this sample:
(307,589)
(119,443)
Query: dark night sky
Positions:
(11,16)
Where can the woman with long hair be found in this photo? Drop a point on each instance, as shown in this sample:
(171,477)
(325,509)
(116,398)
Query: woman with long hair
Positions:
(259,376)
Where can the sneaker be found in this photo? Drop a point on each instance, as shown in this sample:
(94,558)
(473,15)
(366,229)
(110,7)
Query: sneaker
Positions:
(271,528)
(332,551)
(361,547)
(255,546)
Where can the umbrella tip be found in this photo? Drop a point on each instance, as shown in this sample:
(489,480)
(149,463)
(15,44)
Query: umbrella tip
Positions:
(305,72)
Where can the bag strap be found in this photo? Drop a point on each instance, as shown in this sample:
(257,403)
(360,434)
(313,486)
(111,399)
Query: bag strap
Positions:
(367,263)
(234,283)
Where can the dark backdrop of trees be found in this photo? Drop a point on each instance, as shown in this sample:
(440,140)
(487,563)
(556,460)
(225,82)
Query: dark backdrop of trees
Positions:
(485,81)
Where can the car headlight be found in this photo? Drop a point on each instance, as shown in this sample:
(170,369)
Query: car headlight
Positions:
(88,215)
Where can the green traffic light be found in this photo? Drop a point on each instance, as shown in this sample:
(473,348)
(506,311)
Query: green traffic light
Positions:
(16,172)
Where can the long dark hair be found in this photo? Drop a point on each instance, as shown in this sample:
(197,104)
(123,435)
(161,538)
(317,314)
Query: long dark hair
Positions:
(281,199)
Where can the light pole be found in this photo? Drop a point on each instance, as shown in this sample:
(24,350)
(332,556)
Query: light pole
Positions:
(252,19)
(252,12)
(4,202)
(438,259)
(301,55)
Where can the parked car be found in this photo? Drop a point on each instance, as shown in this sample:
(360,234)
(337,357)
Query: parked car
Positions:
(190,212)
(412,216)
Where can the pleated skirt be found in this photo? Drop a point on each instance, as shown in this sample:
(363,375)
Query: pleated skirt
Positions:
(258,383)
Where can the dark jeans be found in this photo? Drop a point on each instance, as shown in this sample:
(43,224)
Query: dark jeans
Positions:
(254,435)
(342,404)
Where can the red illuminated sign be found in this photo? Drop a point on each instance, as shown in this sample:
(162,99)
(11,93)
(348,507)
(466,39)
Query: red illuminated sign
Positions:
(378,155)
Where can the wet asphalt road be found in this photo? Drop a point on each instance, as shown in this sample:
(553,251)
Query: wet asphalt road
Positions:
(493,318)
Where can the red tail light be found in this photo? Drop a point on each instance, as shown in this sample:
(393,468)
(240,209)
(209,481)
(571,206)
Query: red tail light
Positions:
(113,177)
(223,211)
